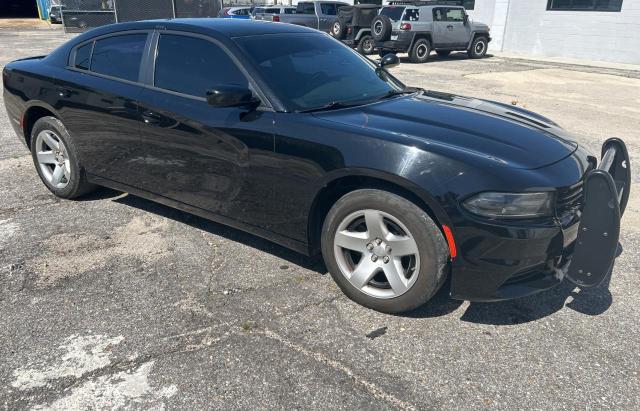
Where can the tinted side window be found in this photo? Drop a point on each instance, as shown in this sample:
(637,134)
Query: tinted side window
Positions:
(306,8)
(438,15)
(289,11)
(193,66)
(119,56)
(83,56)
(328,9)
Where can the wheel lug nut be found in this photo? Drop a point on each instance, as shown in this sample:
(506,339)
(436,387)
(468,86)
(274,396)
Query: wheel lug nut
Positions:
(385,259)
(388,249)
(369,246)
(378,241)
(374,258)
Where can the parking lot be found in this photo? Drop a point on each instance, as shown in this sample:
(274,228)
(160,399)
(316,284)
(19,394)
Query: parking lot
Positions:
(113,301)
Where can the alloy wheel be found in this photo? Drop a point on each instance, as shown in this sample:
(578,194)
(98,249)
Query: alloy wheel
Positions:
(479,47)
(421,52)
(53,159)
(377,253)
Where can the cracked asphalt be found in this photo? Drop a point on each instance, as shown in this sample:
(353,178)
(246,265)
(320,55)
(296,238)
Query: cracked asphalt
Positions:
(113,301)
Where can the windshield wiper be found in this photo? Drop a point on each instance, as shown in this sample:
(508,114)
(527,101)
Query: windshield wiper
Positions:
(406,90)
(334,105)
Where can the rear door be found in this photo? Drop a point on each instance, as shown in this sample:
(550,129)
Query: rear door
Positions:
(98,102)
(327,12)
(209,157)
(305,15)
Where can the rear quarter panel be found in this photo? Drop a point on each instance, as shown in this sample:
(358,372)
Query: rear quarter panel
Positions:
(28,83)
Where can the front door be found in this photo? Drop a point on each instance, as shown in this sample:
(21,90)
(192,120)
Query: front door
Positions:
(209,157)
(458,31)
(450,27)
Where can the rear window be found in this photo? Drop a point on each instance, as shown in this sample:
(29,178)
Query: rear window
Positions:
(83,57)
(411,15)
(272,11)
(393,12)
(119,56)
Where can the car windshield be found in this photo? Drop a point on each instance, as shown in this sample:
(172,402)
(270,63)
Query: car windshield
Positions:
(393,12)
(311,71)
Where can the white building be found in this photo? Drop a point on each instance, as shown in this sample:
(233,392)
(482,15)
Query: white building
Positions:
(605,30)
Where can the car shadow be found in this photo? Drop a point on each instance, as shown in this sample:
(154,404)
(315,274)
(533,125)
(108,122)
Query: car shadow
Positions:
(310,263)
(456,56)
(589,301)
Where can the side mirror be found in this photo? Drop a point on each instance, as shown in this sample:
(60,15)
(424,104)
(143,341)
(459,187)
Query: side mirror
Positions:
(232,96)
(389,60)
(465,18)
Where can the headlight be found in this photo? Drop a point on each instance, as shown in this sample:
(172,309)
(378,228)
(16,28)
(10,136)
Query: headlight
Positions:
(511,205)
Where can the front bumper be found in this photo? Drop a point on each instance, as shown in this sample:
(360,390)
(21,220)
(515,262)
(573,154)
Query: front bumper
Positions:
(499,261)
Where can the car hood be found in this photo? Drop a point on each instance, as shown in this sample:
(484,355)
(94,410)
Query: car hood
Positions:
(504,134)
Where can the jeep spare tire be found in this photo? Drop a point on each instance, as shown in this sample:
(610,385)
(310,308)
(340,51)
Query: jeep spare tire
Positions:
(381,28)
(338,29)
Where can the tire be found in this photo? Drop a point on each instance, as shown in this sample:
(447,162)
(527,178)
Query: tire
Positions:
(61,173)
(366,45)
(478,47)
(443,53)
(420,51)
(419,275)
(338,29)
(381,28)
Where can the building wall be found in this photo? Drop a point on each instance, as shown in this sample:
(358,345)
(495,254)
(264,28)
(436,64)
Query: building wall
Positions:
(610,36)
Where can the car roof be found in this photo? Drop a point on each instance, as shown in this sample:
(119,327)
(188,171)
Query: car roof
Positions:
(212,26)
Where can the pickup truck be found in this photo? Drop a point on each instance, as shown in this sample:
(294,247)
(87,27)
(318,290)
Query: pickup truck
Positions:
(315,14)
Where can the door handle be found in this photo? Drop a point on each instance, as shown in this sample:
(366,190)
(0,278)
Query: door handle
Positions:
(149,117)
(63,92)
(450,27)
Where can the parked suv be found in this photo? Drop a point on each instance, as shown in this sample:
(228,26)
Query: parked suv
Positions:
(272,13)
(315,14)
(420,27)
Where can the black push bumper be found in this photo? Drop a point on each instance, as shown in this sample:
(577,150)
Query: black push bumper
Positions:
(499,261)
(606,193)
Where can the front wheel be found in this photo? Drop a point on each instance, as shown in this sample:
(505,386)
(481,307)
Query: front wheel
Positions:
(478,48)
(383,251)
(366,45)
(420,51)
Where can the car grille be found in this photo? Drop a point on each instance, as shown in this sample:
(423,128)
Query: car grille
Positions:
(569,200)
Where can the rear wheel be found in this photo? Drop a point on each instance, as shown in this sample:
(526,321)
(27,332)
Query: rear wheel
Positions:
(55,157)
(420,51)
(365,45)
(478,48)
(383,251)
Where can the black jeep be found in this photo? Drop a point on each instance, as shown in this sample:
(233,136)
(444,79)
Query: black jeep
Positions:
(353,26)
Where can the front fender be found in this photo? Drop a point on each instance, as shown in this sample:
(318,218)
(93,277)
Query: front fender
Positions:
(422,193)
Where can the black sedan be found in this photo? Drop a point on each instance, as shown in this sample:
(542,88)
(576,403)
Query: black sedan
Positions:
(286,133)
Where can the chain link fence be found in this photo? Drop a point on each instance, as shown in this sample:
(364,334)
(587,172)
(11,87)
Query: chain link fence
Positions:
(81,15)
